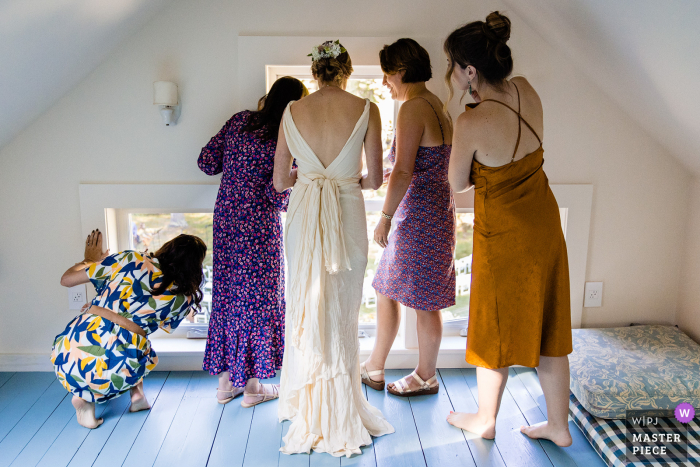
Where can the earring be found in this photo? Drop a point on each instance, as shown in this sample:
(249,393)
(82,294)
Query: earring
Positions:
(470,87)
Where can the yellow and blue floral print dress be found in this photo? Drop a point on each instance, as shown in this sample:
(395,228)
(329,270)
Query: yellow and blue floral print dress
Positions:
(98,360)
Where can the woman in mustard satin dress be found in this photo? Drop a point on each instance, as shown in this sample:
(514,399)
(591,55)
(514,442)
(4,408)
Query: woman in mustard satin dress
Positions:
(520,312)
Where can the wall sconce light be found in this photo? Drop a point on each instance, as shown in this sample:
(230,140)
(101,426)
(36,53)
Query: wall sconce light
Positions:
(165,95)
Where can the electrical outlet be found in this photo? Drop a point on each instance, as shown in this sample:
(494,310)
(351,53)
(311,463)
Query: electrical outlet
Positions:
(77,297)
(593,295)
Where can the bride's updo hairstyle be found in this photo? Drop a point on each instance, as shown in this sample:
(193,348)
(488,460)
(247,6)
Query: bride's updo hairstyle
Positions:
(332,69)
(408,56)
(481,44)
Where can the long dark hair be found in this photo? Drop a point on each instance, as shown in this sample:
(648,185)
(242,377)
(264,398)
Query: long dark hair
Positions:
(271,107)
(180,261)
(481,44)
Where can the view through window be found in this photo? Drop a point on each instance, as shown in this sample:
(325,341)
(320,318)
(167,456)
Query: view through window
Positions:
(150,231)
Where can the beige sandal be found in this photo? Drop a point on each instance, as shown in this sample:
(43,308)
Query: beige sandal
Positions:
(376,385)
(401,387)
(228,399)
(265,395)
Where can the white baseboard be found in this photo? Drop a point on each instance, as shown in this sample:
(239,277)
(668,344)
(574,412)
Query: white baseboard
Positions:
(25,362)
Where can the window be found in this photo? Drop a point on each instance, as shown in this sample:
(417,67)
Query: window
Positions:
(144,230)
(464,235)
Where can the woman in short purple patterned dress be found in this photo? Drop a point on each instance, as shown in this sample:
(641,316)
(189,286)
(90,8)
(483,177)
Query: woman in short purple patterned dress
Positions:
(417,267)
(246,332)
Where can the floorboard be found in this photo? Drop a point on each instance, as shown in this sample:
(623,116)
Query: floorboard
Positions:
(5,377)
(186,426)
(187,419)
(127,429)
(265,434)
(147,444)
(96,439)
(484,451)
(69,440)
(402,447)
(290,460)
(322,459)
(367,458)
(36,448)
(231,438)
(515,448)
(580,451)
(560,457)
(19,395)
(30,423)
(443,445)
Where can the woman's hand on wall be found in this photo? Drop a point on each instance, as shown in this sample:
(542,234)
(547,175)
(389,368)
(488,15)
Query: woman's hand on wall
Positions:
(93,247)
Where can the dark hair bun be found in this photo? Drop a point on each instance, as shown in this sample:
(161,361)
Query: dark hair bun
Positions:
(497,25)
(482,44)
(330,70)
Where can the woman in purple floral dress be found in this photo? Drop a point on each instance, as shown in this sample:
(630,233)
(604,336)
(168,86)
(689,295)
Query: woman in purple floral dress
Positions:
(246,332)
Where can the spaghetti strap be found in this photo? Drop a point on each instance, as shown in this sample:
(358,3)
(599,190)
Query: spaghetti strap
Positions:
(520,119)
(436,116)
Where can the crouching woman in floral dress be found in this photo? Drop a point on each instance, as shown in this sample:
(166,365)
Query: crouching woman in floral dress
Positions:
(105,352)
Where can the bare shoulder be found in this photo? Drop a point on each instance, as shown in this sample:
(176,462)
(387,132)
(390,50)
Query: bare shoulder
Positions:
(522,82)
(526,90)
(412,111)
(473,118)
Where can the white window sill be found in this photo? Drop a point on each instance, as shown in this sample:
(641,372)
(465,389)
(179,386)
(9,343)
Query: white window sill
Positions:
(177,353)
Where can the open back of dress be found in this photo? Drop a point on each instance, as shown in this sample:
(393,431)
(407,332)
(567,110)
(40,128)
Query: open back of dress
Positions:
(326,247)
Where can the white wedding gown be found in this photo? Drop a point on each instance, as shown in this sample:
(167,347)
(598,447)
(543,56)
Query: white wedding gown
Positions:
(326,248)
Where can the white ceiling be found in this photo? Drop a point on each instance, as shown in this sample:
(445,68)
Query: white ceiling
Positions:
(49,46)
(643,54)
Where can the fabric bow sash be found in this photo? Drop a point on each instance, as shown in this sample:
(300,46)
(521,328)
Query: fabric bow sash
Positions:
(320,249)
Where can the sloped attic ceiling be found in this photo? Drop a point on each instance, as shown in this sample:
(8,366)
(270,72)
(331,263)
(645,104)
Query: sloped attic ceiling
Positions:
(49,46)
(644,55)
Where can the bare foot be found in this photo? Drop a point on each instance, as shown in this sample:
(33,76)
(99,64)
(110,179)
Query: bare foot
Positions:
(560,437)
(473,423)
(138,399)
(85,413)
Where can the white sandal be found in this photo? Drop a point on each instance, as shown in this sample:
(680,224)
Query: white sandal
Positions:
(366,377)
(401,387)
(265,395)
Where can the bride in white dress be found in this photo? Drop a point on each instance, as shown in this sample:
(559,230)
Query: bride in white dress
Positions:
(326,249)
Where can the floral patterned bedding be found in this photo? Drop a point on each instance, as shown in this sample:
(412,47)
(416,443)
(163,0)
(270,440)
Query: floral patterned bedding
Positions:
(634,368)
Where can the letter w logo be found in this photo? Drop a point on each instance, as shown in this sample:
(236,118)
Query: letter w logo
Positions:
(684,413)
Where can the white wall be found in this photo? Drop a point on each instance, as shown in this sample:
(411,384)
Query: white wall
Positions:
(689,306)
(106,131)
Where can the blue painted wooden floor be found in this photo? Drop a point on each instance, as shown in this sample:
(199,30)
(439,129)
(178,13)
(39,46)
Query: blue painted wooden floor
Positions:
(186,427)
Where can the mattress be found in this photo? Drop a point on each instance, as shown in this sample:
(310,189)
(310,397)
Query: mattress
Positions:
(634,368)
(607,436)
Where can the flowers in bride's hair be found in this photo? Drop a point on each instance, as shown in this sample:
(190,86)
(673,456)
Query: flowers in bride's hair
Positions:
(329,49)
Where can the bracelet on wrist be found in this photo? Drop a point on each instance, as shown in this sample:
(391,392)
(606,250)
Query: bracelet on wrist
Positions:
(387,216)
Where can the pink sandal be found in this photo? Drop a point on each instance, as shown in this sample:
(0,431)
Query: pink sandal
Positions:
(265,395)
